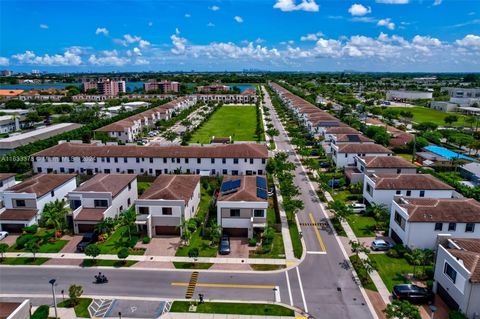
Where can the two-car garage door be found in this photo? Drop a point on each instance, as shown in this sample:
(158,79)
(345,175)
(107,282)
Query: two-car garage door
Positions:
(167,231)
(13,228)
(236,232)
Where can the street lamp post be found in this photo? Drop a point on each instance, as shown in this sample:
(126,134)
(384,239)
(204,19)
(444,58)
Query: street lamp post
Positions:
(52,282)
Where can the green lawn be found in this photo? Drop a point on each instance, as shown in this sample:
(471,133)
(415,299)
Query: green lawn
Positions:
(234,309)
(142,187)
(23,261)
(81,309)
(107,263)
(296,242)
(266,267)
(391,269)
(424,114)
(364,277)
(118,240)
(186,265)
(277,251)
(362,226)
(44,236)
(408,157)
(239,122)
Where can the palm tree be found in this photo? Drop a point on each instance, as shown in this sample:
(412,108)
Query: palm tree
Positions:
(185,231)
(53,215)
(416,258)
(358,247)
(105,226)
(127,219)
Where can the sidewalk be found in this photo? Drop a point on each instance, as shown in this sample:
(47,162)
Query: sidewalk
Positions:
(177,315)
(215,260)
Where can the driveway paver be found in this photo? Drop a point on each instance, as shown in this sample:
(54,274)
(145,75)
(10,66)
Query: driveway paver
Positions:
(161,246)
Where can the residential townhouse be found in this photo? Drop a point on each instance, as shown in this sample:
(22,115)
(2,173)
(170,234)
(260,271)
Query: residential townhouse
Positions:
(127,130)
(169,201)
(340,139)
(344,155)
(89,159)
(249,98)
(457,275)
(242,205)
(102,196)
(378,165)
(416,222)
(24,202)
(330,132)
(381,189)
(6,180)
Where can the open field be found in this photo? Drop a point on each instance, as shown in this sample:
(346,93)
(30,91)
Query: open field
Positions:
(239,122)
(423,114)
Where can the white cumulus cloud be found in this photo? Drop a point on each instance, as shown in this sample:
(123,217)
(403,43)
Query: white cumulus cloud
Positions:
(179,43)
(386,23)
(359,10)
(437,2)
(43,26)
(68,58)
(103,31)
(214,8)
(291,5)
(393,1)
(4,61)
(311,36)
(470,40)
(238,19)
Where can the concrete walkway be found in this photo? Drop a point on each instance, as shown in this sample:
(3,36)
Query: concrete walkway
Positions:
(178,315)
(214,260)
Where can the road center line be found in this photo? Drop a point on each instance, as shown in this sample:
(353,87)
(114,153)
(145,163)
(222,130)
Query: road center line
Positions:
(301,290)
(185,284)
(289,289)
(317,232)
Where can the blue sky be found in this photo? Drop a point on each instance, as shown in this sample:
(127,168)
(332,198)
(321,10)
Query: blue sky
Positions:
(301,35)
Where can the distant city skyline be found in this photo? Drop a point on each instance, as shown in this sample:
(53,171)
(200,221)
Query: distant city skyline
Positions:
(270,35)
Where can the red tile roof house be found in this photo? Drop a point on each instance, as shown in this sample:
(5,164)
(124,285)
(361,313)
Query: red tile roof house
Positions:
(25,201)
(378,165)
(381,189)
(340,139)
(417,222)
(242,205)
(102,196)
(457,275)
(169,201)
(6,180)
(344,155)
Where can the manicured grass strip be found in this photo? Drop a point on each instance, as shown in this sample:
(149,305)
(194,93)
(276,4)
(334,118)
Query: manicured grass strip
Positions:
(424,114)
(54,247)
(186,265)
(362,226)
(364,277)
(266,267)
(239,122)
(117,241)
(296,242)
(81,309)
(23,261)
(391,269)
(234,309)
(107,263)
(277,251)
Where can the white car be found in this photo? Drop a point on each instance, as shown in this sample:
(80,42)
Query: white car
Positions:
(3,234)
(358,208)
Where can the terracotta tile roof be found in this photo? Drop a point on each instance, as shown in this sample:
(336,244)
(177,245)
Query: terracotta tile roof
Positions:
(247,150)
(446,210)
(172,187)
(354,138)
(386,162)
(247,191)
(110,183)
(90,214)
(7,308)
(409,182)
(4,176)
(373,121)
(18,214)
(119,126)
(469,253)
(341,130)
(10,92)
(363,148)
(41,184)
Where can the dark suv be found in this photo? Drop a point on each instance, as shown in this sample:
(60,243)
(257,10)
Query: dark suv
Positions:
(88,238)
(412,293)
(224,246)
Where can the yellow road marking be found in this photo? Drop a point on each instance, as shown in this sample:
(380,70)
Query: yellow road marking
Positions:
(318,233)
(185,284)
(291,263)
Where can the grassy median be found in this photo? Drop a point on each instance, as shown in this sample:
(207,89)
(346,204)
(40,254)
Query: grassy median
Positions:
(234,309)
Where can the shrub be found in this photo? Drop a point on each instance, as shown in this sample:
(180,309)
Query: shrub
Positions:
(193,252)
(31,229)
(252,242)
(41,312)
(123,253)
(133,241)
(455,314)
(146,240)
(401,250)
(393,253)
(23,240)
(192,225)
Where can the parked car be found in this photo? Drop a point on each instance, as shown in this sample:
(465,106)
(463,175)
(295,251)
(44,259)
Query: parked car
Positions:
(3,234)
(87,239)
(380,245)
(224,246)
(324,164)
(334,183)
(412,293)
(358,208)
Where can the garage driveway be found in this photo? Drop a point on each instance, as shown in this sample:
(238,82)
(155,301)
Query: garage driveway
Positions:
(71,246)
(161,246)
(238,248)
(10,239)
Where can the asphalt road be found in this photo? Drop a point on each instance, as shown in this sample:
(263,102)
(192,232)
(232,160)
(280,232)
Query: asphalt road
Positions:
(321,285)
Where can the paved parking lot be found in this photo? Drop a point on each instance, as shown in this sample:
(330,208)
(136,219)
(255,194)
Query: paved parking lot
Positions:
(136,309)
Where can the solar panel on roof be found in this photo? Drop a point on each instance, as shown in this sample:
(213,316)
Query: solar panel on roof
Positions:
(226,186)
(261,193)
(236,183)
(354,138)
(261,182)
